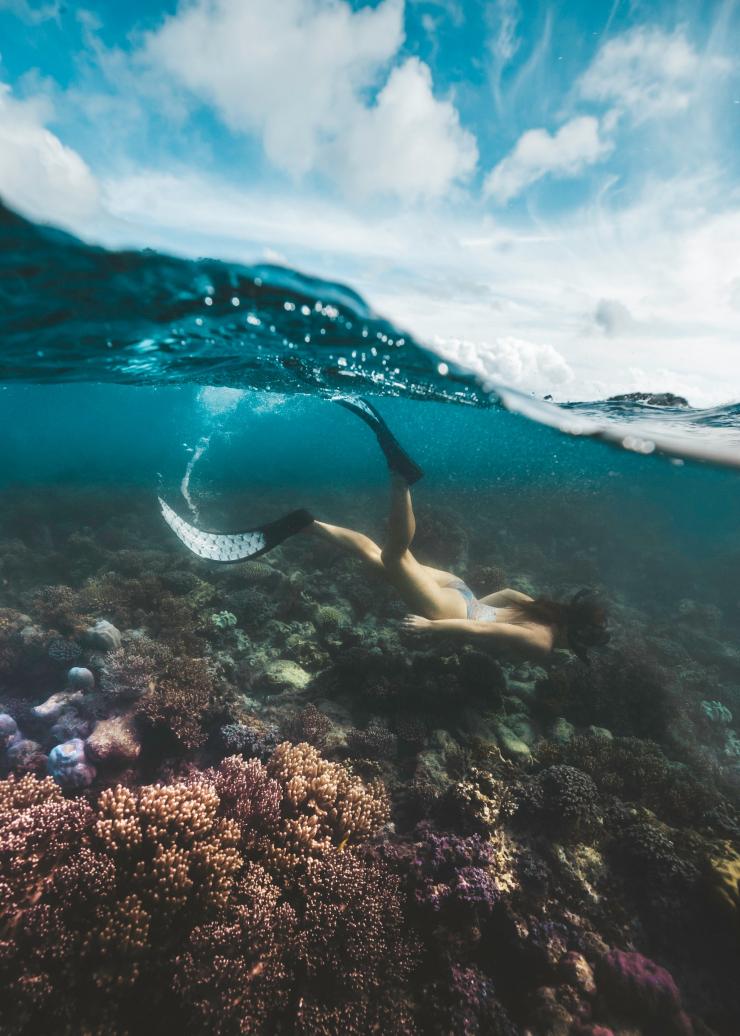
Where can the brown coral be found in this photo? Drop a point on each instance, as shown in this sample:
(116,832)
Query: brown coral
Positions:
(59,608)
(323,804)
(180,701)
(171,843)
(235,972)
(113,742)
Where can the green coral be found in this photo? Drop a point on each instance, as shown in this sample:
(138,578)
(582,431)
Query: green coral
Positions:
(716,713)
(224,620)
(329,620)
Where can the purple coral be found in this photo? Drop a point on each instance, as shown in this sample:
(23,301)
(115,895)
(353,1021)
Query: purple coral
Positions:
(250,740)
(447,874)
(639,987)
(17,753)
(464,1002)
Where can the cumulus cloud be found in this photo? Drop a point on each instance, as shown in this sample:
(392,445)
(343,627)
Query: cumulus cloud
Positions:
(513,362)
(298,75)
(408,143)
(537,153)
(39,175)
(646,72)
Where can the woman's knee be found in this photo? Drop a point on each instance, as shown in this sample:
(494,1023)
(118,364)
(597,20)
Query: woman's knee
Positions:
(395,557)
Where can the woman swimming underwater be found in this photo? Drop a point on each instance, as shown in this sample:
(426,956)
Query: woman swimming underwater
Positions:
(509,621)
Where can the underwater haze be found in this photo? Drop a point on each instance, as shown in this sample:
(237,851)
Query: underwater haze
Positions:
(240,798)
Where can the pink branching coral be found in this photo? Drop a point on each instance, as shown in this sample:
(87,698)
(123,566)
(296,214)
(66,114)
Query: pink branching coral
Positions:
(131,671)
(248,796)
(175,898)
(351,940)
(41,872)
(235,973)
(171,845)
(323,805)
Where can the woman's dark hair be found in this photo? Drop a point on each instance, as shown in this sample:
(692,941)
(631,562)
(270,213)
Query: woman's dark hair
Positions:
(584,619)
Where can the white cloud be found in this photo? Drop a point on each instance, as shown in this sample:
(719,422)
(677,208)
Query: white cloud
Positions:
(537,153)
(408,143)
(32,14)
(297,75)
(452,9)
(672,265)
(505,42)
(515,362)
(39,175)
(646,72)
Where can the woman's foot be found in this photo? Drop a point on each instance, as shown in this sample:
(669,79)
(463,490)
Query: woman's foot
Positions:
(398,460)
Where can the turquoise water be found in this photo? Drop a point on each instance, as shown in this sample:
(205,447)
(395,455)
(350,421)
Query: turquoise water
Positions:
(603,798)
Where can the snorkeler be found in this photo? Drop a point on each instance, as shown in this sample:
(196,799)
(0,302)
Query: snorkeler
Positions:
(507,620)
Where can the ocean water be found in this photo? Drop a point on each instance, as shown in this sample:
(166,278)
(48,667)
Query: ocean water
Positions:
(465,843)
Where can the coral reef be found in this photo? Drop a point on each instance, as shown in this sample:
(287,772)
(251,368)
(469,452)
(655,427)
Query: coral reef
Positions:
(626,692)
(641,989)
(113,742)
(270,812)
(564,800)
(323,805)
(249,739)
(310,724)
(724,883)
(169,888)
(376,741)
(448,875)
(180,701)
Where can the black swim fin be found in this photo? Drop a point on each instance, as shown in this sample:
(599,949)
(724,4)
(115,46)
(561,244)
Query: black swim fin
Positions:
(237,546)
(398,460)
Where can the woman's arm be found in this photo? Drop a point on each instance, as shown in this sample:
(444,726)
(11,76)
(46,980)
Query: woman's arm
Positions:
(538,640)
(504,597)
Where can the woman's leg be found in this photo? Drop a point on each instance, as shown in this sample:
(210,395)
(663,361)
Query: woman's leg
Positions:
(401,521)
(351,541)
(418,585)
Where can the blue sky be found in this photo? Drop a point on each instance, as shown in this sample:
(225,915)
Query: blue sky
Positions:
(548,192)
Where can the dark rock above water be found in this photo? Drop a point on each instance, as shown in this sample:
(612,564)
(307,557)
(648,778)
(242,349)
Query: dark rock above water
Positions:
(653,398)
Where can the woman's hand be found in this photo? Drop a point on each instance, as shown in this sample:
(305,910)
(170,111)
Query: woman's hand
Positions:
(415,624)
